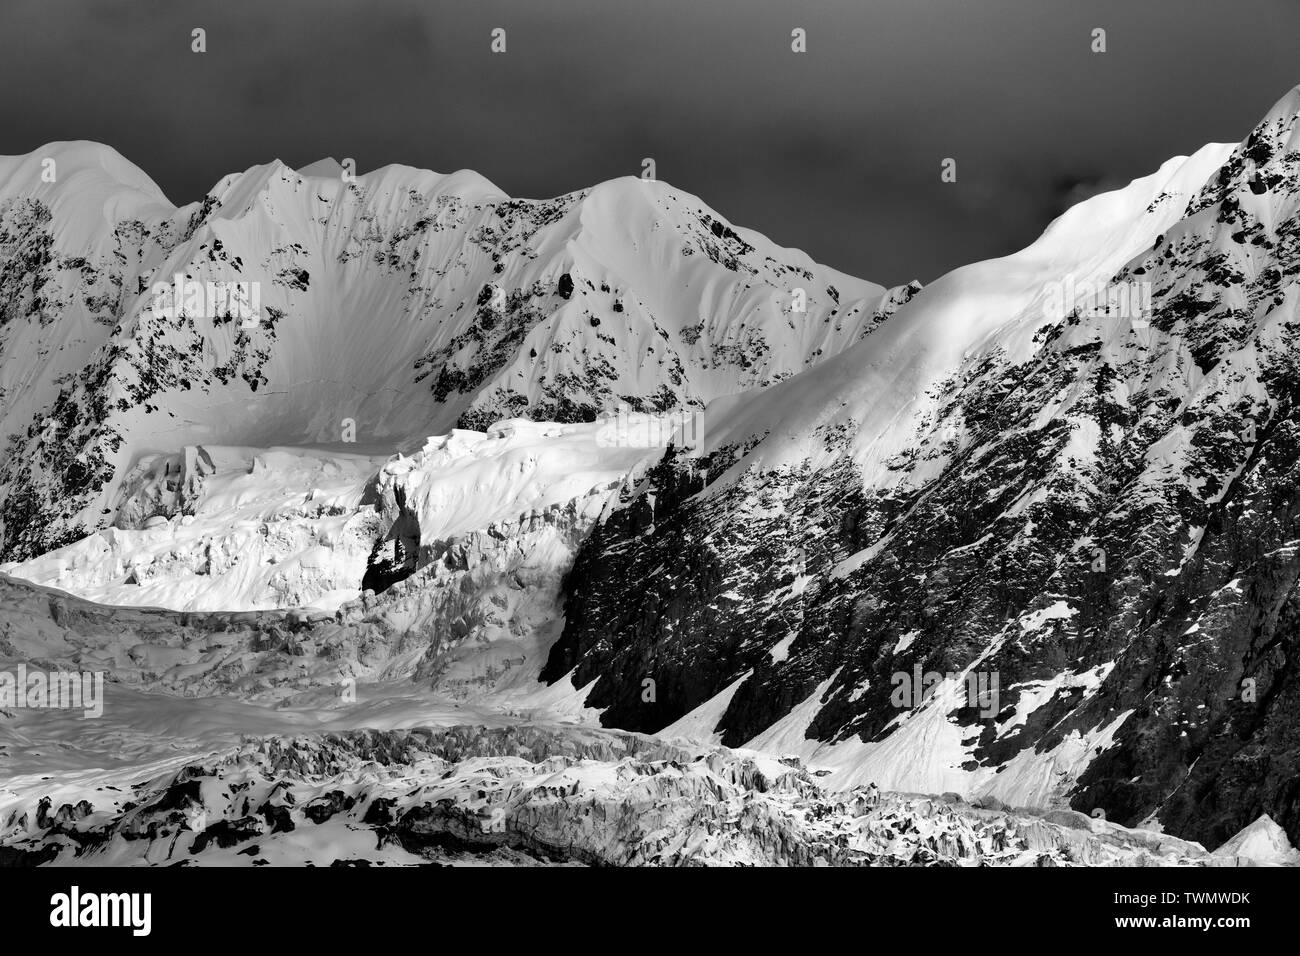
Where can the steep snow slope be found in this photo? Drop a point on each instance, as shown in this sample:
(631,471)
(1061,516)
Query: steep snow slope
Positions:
(69,251)
(1092,504)
(879,388)
(384,308)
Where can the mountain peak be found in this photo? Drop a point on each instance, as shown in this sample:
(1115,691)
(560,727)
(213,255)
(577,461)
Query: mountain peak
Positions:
(1262,842)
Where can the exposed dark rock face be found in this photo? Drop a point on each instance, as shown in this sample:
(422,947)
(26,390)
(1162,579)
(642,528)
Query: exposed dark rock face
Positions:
(1110,527)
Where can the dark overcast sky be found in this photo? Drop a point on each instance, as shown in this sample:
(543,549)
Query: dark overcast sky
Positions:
(836,151)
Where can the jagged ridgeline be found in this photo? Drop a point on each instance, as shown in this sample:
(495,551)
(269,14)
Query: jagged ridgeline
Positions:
(402,302)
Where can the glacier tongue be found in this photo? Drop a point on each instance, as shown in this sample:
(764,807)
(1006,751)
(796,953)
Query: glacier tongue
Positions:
(486,525)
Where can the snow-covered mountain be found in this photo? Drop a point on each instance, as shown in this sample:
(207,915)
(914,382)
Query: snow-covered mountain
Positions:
(1026,536)
(1094,505)
(379,309)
